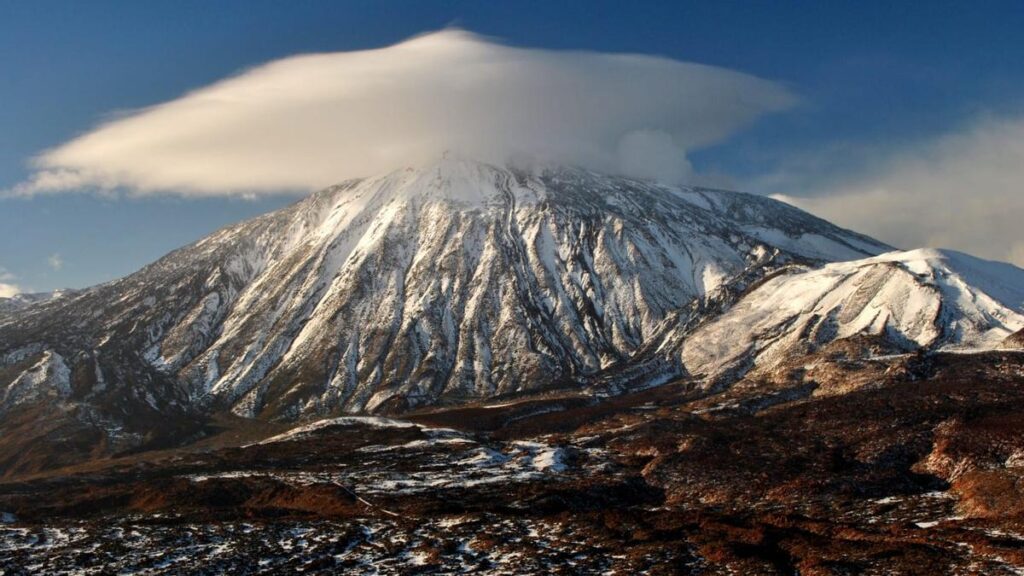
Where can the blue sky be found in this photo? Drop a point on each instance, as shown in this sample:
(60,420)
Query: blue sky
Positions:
(876,82)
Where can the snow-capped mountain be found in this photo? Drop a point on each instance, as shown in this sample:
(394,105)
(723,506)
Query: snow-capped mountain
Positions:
(455,281)
(922,299)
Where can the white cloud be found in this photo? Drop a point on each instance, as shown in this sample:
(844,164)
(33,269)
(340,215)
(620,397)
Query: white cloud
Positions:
(7,288)
(653,154)
(55,261)
(964,190)
(308,121)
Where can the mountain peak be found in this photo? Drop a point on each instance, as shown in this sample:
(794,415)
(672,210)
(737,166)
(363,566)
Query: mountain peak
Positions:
(1000,281)
(455,179)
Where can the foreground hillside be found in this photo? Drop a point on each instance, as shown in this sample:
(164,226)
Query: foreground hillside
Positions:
(917,470)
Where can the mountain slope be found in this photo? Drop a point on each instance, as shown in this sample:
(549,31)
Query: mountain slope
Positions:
(1015,340)
(19,301)
(456,281)
(922,299)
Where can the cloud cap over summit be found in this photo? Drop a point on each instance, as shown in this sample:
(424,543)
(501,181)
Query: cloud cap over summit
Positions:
(307,121)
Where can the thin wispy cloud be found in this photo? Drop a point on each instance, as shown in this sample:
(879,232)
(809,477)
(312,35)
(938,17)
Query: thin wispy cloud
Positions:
(55,261)
(309,121)
(964,190)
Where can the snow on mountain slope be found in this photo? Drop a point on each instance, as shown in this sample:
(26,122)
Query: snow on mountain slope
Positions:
(932,299)
(48,378)
(453,281)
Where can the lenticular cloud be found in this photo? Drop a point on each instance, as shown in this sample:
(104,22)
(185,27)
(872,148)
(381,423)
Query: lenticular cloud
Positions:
(309,121)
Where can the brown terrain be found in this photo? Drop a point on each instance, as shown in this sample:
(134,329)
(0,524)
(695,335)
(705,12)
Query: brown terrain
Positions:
(855,463)
(1015,340)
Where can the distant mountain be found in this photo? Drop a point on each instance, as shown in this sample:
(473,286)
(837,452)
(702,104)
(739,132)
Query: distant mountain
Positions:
(19,301)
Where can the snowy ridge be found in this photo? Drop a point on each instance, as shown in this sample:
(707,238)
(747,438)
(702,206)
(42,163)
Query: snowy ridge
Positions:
(19,301)
(932,299)
(312,427)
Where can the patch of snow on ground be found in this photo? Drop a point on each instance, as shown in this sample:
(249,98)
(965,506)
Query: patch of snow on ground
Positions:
(371,421)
